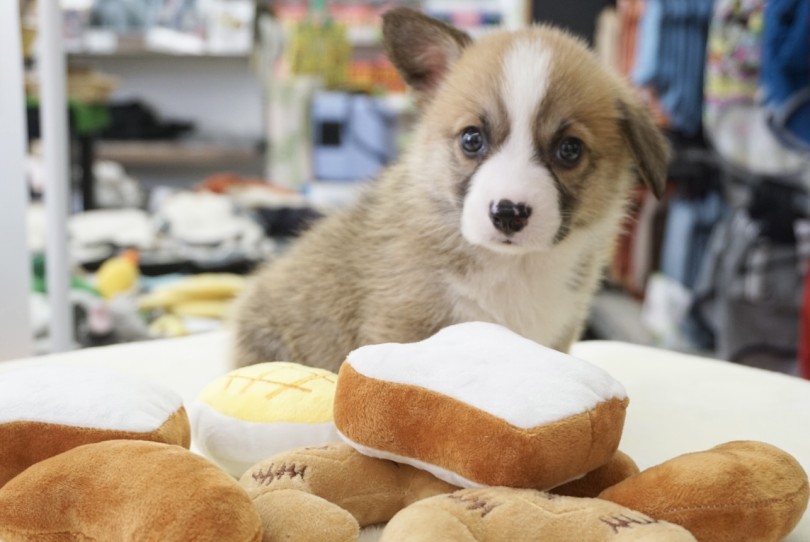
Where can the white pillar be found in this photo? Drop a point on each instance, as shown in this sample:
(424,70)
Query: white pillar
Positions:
(54,131)
(15,270)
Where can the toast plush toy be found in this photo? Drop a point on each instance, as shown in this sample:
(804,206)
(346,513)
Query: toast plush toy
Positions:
(45,411)
(478,405)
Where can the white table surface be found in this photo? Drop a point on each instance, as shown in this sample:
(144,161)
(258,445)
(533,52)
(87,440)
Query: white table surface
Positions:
(678,403)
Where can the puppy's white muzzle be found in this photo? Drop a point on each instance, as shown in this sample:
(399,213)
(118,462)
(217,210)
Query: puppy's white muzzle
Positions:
(528,187)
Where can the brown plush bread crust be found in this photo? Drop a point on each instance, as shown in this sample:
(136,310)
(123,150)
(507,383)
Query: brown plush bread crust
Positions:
(619,468)
(736,491)
(126,490)
(498,514)
(25,443)
(418,423)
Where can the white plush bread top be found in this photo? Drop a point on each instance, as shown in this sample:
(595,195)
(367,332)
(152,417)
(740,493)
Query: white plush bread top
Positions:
(93,397)
(495,370)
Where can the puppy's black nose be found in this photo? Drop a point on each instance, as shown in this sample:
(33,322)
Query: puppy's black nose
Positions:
(509,217)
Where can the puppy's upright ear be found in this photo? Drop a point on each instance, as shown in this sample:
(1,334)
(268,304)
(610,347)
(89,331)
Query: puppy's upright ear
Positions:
(421,48)
(648,145)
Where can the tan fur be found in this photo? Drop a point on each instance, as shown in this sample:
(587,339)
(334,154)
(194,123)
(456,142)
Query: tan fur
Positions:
(395,267)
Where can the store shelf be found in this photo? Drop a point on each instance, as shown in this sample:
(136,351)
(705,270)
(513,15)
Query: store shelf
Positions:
(156,43)
(152,54)
(174,154)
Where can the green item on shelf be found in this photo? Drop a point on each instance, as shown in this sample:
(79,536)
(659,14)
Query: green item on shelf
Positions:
(86,118)
(39,283)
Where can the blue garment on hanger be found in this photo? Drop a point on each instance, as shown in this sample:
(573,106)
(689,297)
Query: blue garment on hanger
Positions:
(785,74)
(684,56)
(671,58)
(648,44)
(688,229)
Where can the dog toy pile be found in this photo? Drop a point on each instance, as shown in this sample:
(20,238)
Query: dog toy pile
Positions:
(92,454)
(451,406)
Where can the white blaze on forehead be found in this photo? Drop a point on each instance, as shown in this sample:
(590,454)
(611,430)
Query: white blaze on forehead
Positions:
(526,68)
(495,370)
(513,172)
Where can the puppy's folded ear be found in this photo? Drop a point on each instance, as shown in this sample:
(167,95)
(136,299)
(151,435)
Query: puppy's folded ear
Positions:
(421,48)
(648,145)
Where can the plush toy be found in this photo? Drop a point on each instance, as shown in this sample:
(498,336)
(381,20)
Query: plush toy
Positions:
(126,490)
(735,491)
(260,410)
(118,274)
(519,515)
(477,404)
(45,411)
(327,493)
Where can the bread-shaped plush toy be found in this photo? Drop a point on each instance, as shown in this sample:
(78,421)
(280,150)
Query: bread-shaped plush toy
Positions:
(497,514)
(479,405)
(45,411)
(326,493)
(126,490)
(742,490)
(261,410)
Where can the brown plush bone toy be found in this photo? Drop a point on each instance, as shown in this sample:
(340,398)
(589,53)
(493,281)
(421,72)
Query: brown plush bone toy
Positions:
(498,514)
(326,494)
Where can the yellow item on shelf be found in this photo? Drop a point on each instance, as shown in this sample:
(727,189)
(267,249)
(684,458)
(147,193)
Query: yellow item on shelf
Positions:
(320,47)
(203,309)
(216,288)
(168,325)
(118,274)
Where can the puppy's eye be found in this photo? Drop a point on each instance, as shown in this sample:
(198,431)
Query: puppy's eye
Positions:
(570,151)
(473,142)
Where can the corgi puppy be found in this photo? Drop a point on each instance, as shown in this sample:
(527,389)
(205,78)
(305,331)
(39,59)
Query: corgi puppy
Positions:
(505,208)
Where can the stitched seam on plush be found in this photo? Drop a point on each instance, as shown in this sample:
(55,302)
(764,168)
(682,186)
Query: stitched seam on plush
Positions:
(754,504)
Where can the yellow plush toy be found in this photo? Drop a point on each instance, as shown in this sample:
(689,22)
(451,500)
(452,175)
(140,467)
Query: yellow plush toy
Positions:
(118,274)
(261,410)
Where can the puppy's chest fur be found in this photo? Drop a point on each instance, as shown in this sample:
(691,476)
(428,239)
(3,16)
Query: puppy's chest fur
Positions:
(542,296)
